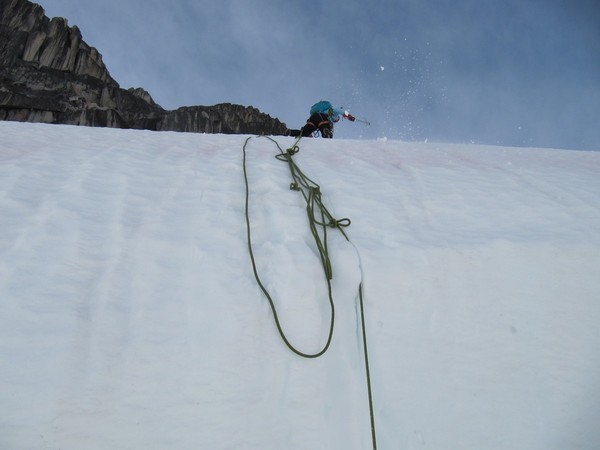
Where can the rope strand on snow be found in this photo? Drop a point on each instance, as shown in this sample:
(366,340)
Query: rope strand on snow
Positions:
(368,372)
(312,195)
(310,191)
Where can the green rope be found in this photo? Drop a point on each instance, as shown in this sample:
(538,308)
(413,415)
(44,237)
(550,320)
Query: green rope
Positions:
(319,218)
(314,206)
(364,333)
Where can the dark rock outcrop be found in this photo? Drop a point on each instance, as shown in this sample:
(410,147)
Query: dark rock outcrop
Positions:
(223,118)
(49,74)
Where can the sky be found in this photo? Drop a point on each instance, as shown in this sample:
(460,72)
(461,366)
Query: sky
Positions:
(510,72)
(131,319)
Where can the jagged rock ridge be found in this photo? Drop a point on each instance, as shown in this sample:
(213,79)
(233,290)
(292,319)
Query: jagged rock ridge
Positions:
(49,74)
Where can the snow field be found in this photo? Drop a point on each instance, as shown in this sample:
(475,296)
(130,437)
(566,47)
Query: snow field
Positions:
(130,317)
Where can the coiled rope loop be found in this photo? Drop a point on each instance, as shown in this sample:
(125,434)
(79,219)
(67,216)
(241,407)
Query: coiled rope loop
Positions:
(319,219)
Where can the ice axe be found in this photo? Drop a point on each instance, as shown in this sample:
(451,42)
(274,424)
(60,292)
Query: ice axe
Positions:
(351,118)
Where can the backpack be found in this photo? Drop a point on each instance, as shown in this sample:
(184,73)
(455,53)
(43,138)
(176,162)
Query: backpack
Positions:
(321,107)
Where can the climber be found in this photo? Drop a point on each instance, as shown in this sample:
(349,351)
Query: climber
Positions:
(322,117)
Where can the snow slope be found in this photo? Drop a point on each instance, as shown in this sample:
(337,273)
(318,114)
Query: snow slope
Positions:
(130,317)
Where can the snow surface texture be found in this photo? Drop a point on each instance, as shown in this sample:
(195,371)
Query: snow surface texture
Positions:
(130,317)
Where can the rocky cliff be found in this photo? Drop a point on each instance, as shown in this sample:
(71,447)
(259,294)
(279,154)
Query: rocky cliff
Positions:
(49,74)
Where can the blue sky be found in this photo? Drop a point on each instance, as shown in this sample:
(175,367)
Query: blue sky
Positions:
(514,72)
